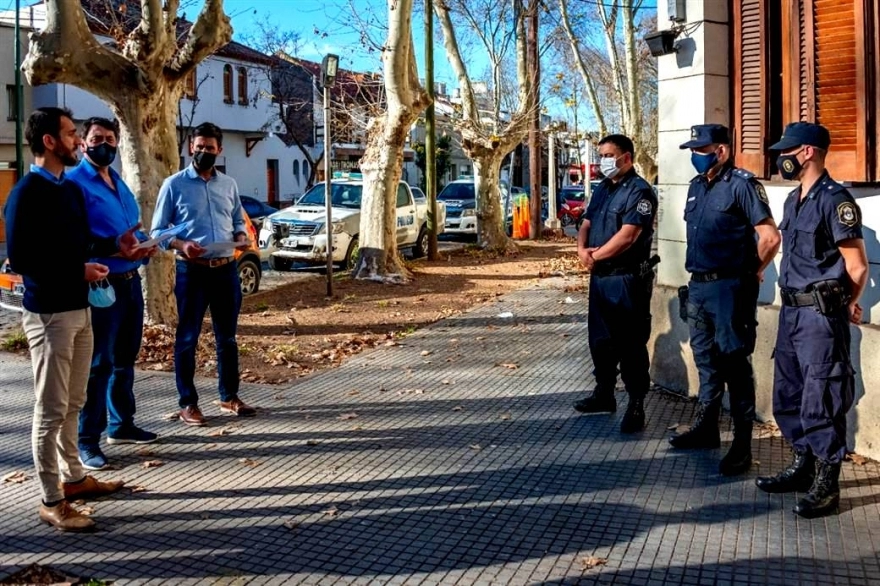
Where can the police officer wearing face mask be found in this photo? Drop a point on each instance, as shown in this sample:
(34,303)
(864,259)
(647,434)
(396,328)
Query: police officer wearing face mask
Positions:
(614,243)
(726,207)
(117,304)
(824,271)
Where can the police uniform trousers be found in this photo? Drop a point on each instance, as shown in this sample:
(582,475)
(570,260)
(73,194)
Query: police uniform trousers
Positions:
(813,382)
(721,316)
(619,321)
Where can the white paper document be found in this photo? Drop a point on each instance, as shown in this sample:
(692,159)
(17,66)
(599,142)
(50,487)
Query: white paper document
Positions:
(166,234)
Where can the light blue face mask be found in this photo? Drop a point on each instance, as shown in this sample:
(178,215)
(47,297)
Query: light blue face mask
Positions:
(101,293)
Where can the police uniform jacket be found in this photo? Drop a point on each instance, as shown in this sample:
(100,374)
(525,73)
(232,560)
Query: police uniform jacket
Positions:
(720,216)
(628,201)
(812,228)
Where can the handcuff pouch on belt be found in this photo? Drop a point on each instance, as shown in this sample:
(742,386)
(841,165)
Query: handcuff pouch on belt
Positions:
(683,296)
(829,296)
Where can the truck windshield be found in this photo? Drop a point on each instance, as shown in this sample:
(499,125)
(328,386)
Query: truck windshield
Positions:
(456,191)
(343,195)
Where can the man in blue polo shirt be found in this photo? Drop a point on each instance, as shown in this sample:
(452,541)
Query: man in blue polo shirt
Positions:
(118,329)
(207,276)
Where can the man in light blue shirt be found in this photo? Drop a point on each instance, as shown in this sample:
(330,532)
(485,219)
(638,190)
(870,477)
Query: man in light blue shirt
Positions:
(118,329)
(207,275)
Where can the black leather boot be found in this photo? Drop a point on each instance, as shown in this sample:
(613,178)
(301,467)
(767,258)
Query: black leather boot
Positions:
(704,433)
(824,495)
(797,477)
(598,402)
(739,458)
(634,418)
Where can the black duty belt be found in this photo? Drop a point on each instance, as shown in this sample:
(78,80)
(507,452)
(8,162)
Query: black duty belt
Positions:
(616,271)
(797,298)
(126,276)
(714,276)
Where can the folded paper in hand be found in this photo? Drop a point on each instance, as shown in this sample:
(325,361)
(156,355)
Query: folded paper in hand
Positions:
(223,247)
(166,234)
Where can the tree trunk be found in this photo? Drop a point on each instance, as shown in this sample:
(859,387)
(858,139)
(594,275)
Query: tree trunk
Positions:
(148,151)
(490,209)
(382,163)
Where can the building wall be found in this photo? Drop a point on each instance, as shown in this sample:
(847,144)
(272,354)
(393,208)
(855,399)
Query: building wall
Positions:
(7,78)
(695,88)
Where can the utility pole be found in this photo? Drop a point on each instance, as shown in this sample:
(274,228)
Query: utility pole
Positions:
(19,97)
(430,134)
(535,122)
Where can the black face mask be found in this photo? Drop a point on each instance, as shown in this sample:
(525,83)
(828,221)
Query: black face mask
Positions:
(204,161)
(789,166)
(102,155)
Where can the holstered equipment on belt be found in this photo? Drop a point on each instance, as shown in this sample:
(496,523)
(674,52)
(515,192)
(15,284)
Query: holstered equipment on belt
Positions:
(826,296)
(683,295)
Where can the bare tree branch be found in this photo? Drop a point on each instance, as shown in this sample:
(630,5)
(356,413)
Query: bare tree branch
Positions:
(211,31)
(582,68)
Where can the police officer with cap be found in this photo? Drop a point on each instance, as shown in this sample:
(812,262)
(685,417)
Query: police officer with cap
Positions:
(726,207)
(614,243)
(824,270)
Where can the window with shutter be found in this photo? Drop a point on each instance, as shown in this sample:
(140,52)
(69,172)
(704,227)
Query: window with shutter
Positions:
(826,72)
(750,77)
(227,83)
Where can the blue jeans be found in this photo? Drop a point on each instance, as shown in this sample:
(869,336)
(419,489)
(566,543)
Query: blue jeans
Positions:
(199,287)
(118,330)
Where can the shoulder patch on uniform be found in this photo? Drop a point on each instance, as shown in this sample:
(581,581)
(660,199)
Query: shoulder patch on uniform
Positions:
(848,214)
(644,207)
(762,193)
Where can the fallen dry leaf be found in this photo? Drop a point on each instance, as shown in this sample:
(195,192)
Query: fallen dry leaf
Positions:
(171,416)
(152,463)
(346,416)
(248,462)
(16,477)
(857,459)
(292,525)
(353,393)
(457,408)
(144,452)
(210,446)
(673,426)
(219,432)
(312,443)
(505,416)
(476,447)
(446,381)
(137,488)
(426,352)
(331,512)
(509,365)
(588,562)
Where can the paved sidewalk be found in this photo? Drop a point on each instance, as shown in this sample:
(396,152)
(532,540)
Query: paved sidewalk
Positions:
(435,462)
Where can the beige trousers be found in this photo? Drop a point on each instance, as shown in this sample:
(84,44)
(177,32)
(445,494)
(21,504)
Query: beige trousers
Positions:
(61,356)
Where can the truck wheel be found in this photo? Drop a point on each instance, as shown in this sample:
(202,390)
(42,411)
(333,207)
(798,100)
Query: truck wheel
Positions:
(249,276)
(566,220)
(420,248)
(277,263)
(351,255)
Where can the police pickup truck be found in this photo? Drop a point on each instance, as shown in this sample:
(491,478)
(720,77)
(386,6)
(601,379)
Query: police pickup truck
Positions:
(297,235)
(459,196)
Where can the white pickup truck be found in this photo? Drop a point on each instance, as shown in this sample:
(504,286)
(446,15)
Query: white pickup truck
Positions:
(297,235)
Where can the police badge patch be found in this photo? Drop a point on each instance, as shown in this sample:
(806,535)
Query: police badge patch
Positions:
(847,214)
(762,193)
(644,207)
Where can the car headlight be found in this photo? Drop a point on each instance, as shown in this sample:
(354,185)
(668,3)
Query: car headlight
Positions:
(468,213)
(267,225)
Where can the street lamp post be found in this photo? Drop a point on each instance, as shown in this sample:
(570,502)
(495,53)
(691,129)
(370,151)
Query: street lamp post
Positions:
(19,96)
(328,78)
(552,221)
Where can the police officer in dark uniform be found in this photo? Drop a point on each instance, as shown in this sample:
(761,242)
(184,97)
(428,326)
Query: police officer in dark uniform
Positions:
(614,243)
(726,207)
(824,270)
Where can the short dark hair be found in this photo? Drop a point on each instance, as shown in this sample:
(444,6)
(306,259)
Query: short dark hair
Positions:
(624,143)
(105,123)
(209,130)
(44,121)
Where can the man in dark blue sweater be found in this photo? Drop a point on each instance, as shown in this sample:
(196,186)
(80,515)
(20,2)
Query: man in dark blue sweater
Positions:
(44,205)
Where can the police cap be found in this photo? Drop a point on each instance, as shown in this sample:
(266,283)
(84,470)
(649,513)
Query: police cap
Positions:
(803,133)
(706,134)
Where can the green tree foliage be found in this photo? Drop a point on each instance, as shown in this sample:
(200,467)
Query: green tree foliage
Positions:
(443,160)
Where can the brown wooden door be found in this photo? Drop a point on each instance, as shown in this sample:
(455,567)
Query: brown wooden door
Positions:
(7,180)
(272,181)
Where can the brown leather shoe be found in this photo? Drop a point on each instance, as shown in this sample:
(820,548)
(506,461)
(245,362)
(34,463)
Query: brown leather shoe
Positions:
(192,415)
(63,517)
(90,487)
(237,407)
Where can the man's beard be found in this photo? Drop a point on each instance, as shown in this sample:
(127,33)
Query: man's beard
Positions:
(68,157)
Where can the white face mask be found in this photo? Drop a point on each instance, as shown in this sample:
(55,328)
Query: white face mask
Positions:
(608,167)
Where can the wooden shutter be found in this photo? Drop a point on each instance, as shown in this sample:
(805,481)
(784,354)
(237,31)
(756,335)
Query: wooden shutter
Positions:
(750,71)
(825,75)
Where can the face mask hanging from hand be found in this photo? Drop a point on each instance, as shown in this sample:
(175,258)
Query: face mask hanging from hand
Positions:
(101,294)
